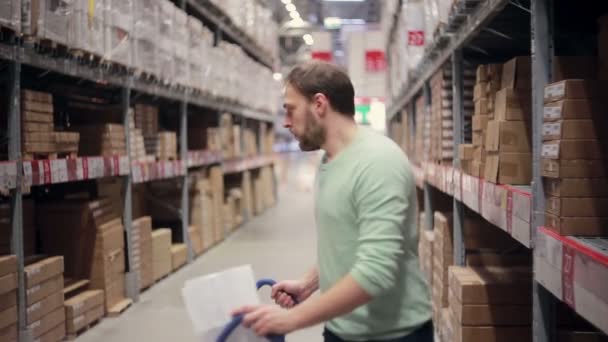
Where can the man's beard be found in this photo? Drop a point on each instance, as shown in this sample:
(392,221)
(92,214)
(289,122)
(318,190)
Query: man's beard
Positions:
(314,135)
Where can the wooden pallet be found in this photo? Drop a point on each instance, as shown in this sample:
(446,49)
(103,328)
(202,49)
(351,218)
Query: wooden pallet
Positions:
(46,46)
(85,57)
(74,336)
(119,307)
(29,156)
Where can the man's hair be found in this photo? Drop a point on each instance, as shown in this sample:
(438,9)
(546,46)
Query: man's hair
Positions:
(330,80)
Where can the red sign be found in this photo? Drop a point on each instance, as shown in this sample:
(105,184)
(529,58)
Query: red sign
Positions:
(322,56)
(415,38)
(375,61)
(568,275)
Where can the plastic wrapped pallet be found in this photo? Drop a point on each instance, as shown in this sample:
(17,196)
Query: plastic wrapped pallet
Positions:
(119,26)
(10,14)
(145,33)
(197,51)
(50,20)
(165,46)
(413,13)
(87,33)
(180,39)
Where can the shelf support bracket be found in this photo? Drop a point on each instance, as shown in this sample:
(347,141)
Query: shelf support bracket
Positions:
(458,138)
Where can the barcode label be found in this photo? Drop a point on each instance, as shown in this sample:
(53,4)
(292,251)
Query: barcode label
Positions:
(550,150)
(552,112)
(552,129)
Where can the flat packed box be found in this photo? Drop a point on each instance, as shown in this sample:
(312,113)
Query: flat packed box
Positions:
(512,105)
(480,122)
(577,226)
(483,258)
(576,187)
(508,136)
(8,300)
(577,67)
(55,334)
(77,323)
(508,286)
(492,334)
(479,139)
(516,73)
(508,168)
(179,255)
(106,267)
(465,151)
(553,168)
(9,333)
(115,291)
(481,106)
(8,317)
(48,322)
(573,149)
(575,89)
(83,302)
(582,109)
(573,129)
(479,91)
(40,309)
(38,292)
(490,315)
(577,206)
(41,269)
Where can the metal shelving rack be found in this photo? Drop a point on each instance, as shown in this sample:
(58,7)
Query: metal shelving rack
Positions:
(521,209)
(16,173)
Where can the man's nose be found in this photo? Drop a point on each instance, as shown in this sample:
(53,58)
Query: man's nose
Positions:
(287,123)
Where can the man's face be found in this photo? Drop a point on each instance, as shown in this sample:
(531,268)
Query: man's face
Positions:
(302,121)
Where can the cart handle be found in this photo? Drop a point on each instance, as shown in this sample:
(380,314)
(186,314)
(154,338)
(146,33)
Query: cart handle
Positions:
(237,320)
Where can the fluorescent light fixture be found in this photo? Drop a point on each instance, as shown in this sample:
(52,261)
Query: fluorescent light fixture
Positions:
(277,76)
(332,22)
(308,39)
(294,15)
(353,22)
(290,7)
(343,0)
(286,2)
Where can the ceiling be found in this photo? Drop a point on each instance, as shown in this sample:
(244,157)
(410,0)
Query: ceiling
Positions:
(314,11)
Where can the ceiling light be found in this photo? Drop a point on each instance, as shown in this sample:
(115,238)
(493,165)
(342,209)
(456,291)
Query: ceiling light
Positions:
(294,15)
(290,7)
(277,76)
(308,39)
(286,1)
(343,0)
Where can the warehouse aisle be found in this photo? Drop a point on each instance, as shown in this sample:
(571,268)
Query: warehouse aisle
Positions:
(279,244)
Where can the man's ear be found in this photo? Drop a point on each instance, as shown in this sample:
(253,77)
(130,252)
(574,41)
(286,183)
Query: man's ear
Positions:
(321,104)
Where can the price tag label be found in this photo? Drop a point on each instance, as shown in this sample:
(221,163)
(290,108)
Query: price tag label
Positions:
(568,255)
(550,150)
(73,166)
(59,171)
(124,166)
(510,212)
(46,172)
(552,112)
(27,173)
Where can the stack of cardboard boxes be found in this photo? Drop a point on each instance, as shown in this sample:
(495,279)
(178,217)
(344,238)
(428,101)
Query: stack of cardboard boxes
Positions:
(179,256)
(163,145)
(44,295)
(423,127)
(442,128)
(146,119)
(102,140)
(202,215)
(194,233)
(425,247)
(8,298)
(247,187)
(574,152)
(443,257)
(214,139)
(250,142)
(490,304)
(136,140)
(142,251)
(82,310)
(267,137)
(92,242)
(38,136)
(228,137)
(216,178)
(161,253)
(508,135)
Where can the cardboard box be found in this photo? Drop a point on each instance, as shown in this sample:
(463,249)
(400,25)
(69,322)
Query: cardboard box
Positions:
(37,96)
(577,206)
(10,333)
(479,139)
(196,240)
(8,300)
(106,267)
(516,73)
(477,169)
(38,310)
(38,292)
(508,168)
(83,302)
(492,334)
(41,269)
(500,286)
(8,283)
(179,255)
(512,105)
(480,122)
(577,226)
(573,129)
(490,315)
(574,67)
(55,334)
(479,91)
(508,136)
(110,236)
(482,74)
(481,106)
(77,323)
(574,168)
(38,107)
(8,317)
(8,264)
(575,89)
(573,149)
(161,250)
(486,259)
(576,187)
(115,291)
(465,151)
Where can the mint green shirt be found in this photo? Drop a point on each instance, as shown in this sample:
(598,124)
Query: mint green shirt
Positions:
(365,210)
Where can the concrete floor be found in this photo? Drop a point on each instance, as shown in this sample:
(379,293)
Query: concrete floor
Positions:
(279,244)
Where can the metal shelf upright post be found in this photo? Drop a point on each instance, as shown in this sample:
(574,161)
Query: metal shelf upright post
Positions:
(14,153)
(428,196)
(458,138)
(131,278)
(543,301)
(183,150)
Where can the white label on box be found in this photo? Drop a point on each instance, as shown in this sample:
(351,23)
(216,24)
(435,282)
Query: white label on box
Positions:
(34,307)
(552,129)
(33,290)
(550,150)
(35,325)
(555,90)
(552,112)
(33,271)
(78,319)
(78,306)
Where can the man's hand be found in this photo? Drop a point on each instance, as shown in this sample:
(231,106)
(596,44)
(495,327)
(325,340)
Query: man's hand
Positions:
(286,291)
(268,319)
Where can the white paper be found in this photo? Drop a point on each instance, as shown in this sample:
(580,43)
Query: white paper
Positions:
(210,299)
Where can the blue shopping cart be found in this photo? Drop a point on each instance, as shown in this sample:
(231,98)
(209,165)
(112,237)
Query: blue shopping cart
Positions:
(237,320)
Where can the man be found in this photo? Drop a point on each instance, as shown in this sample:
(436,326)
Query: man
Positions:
(367,269)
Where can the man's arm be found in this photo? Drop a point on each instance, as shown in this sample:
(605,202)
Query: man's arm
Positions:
(285,292)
